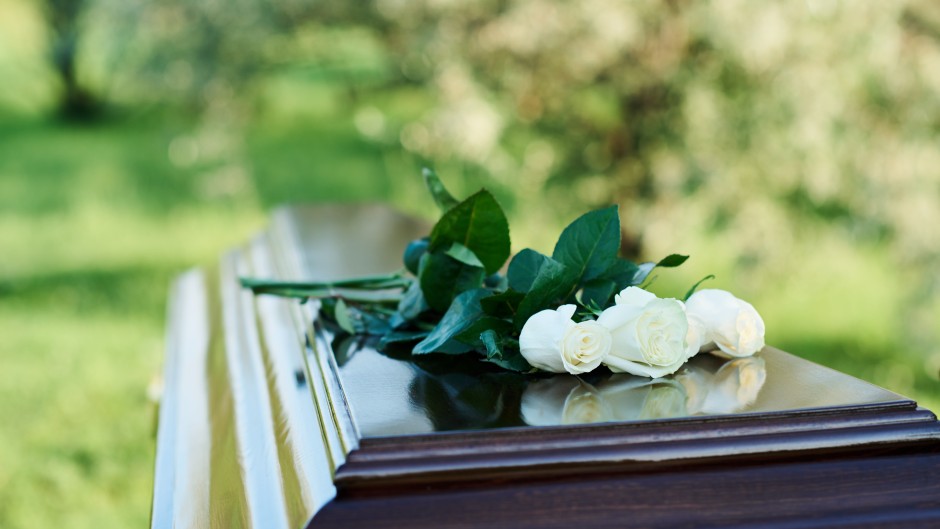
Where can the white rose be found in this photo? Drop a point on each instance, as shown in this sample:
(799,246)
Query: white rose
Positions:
(634,296)
(543,401)
(743,378)
(563,400)
(733,325)
(637,297)
(637,399)
(649,334)
(569,400)
(732,388)
(695,338)
(585,405)
(551,341)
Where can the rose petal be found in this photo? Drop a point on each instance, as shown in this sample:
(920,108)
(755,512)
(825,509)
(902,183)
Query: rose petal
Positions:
(543,401)
(634,297)
(732,324)
(541,336)
(620,320)
(584,347)
(620,365)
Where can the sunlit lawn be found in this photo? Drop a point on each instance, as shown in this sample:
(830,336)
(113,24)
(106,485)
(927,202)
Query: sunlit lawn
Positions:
(94,223)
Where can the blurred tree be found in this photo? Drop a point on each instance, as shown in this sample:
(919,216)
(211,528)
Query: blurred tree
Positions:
(76,101)
(748,118)
(767,130)
(203,54)
(756,110)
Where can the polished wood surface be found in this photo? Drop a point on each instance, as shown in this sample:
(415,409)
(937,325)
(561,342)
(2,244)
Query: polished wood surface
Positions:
(391,396)
(267,421)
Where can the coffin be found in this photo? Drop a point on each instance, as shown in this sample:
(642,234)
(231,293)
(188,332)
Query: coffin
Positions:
(267,421)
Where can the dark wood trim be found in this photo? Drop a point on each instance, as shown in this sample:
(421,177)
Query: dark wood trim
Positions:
(521,454)
(897,491)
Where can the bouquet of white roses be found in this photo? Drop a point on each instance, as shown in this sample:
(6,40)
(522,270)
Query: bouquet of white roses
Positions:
(582,307)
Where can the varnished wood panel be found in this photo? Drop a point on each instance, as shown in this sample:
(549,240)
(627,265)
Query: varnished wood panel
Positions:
(901,491)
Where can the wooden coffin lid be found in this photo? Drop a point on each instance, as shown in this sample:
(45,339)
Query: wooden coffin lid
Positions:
(398,435)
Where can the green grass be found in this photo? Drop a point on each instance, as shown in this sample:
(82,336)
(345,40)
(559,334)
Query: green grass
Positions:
(77,441)
(94,223)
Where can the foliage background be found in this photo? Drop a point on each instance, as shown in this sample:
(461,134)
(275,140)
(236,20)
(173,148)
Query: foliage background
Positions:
(790,147)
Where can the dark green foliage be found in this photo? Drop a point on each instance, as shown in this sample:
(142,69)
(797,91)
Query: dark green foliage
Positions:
(462,313)
(589,245)
(457,301)
(503,305)
(413,253)
(696,285)
(672,261)
(412,302)
(551,286)
(439,193)
(503,354)
(623,273)
(479,224)
(524,268)
(597,293)
(442,278)
(472,334)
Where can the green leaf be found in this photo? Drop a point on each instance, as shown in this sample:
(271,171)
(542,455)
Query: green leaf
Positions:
(369,323)
(524,268)
(479,224)
(552,285)
(412,303)
(372,321)
(439,193)
(622,272)
(597,293)
(463,254)
(344,349)
(490,340)
(454,347)
(496,282)
(502,305)
(413,253)
(319,289)
(642,271)
(672,261)
(343,318)
(378,282)
(589,245)
(498,353)
(462,313)
(471,335)
(442,278)
(696,285)
(397,321)
(402,337)
(511,363)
